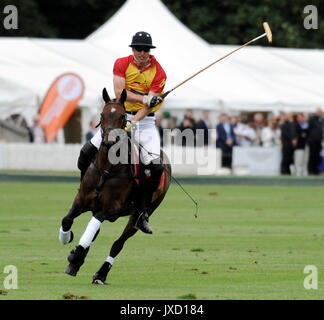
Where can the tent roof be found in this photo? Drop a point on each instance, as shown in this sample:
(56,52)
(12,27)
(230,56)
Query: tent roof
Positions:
(33,64)
(169,35)
(291,74)
(254,78)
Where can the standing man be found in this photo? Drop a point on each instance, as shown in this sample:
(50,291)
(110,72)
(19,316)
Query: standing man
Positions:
(37,131)
(225,139)
(144,79)
(314,141)
(202,138)
(289,143)
(301,152)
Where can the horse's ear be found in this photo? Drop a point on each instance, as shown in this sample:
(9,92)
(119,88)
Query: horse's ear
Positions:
(123,97)
(105,95)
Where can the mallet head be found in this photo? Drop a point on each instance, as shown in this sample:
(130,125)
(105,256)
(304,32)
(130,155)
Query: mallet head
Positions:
(267,31)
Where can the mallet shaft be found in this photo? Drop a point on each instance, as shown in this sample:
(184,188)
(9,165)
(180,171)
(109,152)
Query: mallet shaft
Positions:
(266,34)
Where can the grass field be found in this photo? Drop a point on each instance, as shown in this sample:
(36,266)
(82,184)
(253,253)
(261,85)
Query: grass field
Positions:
(247,243)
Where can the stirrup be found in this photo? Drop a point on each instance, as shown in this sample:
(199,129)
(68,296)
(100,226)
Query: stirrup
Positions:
(142,223)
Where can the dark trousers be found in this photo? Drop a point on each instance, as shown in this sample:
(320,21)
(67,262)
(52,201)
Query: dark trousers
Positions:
(314,157)
(227,158)
(287,159)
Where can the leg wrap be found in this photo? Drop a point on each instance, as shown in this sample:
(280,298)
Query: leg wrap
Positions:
(65,236)
(91,231)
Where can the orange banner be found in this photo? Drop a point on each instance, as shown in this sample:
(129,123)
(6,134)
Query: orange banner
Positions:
(60,103)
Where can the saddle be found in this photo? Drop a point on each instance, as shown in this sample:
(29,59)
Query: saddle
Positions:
(138,172)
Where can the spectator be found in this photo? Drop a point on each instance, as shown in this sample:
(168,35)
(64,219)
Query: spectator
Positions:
(163,121)
(244,132)
(92,131)
(314,141)
(202,136)
(225,139)
(37,131)
(301,154)
(289,142)
(189,116)
(234,121)
(188,129)
(258,125)
(270,133)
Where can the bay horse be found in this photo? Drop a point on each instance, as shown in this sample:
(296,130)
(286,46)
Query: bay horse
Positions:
(109,190)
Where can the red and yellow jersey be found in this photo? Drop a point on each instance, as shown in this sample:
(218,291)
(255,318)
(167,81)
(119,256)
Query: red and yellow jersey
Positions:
(152,78)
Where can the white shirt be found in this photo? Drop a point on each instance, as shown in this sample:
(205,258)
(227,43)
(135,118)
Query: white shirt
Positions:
(244,135)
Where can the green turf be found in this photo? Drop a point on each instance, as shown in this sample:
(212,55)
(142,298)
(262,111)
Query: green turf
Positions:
(247,243)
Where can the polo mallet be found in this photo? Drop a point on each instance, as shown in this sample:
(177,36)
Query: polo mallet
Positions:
(267,34)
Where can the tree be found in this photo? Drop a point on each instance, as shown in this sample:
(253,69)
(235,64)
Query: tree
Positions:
(218,22)
(31,21)
(235,22)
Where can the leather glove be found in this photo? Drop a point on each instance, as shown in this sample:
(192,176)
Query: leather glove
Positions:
(152,101)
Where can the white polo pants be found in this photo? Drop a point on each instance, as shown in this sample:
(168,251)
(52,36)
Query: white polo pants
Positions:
(146,135)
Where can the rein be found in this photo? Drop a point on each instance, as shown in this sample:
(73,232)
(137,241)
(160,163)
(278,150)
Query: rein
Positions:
(106,173)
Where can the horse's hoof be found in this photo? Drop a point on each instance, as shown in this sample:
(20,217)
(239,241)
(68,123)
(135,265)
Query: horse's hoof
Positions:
(71,270)
(98,281)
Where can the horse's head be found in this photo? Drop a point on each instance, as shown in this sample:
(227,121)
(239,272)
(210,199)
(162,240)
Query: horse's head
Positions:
(113,117)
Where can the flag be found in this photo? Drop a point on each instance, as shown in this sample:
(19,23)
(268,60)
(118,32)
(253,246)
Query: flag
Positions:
(60,103)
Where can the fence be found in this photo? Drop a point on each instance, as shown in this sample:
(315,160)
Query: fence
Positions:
(193,161)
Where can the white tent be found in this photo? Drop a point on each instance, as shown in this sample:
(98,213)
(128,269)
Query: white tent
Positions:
(15,97)
(181,53)
(169,35)
(295,76)
(31,65)
(254,78)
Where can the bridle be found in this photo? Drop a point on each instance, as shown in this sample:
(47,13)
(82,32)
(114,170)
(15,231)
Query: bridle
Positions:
(107,130)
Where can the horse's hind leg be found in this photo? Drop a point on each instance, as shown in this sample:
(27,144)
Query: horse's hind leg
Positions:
(101,275)
(65,232)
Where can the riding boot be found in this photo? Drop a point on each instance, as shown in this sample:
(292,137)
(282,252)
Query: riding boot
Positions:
(87,153)
(150,184)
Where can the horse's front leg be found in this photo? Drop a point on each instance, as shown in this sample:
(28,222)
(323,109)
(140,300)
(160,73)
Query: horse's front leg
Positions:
(65,232)
(78,254)
(101,275)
